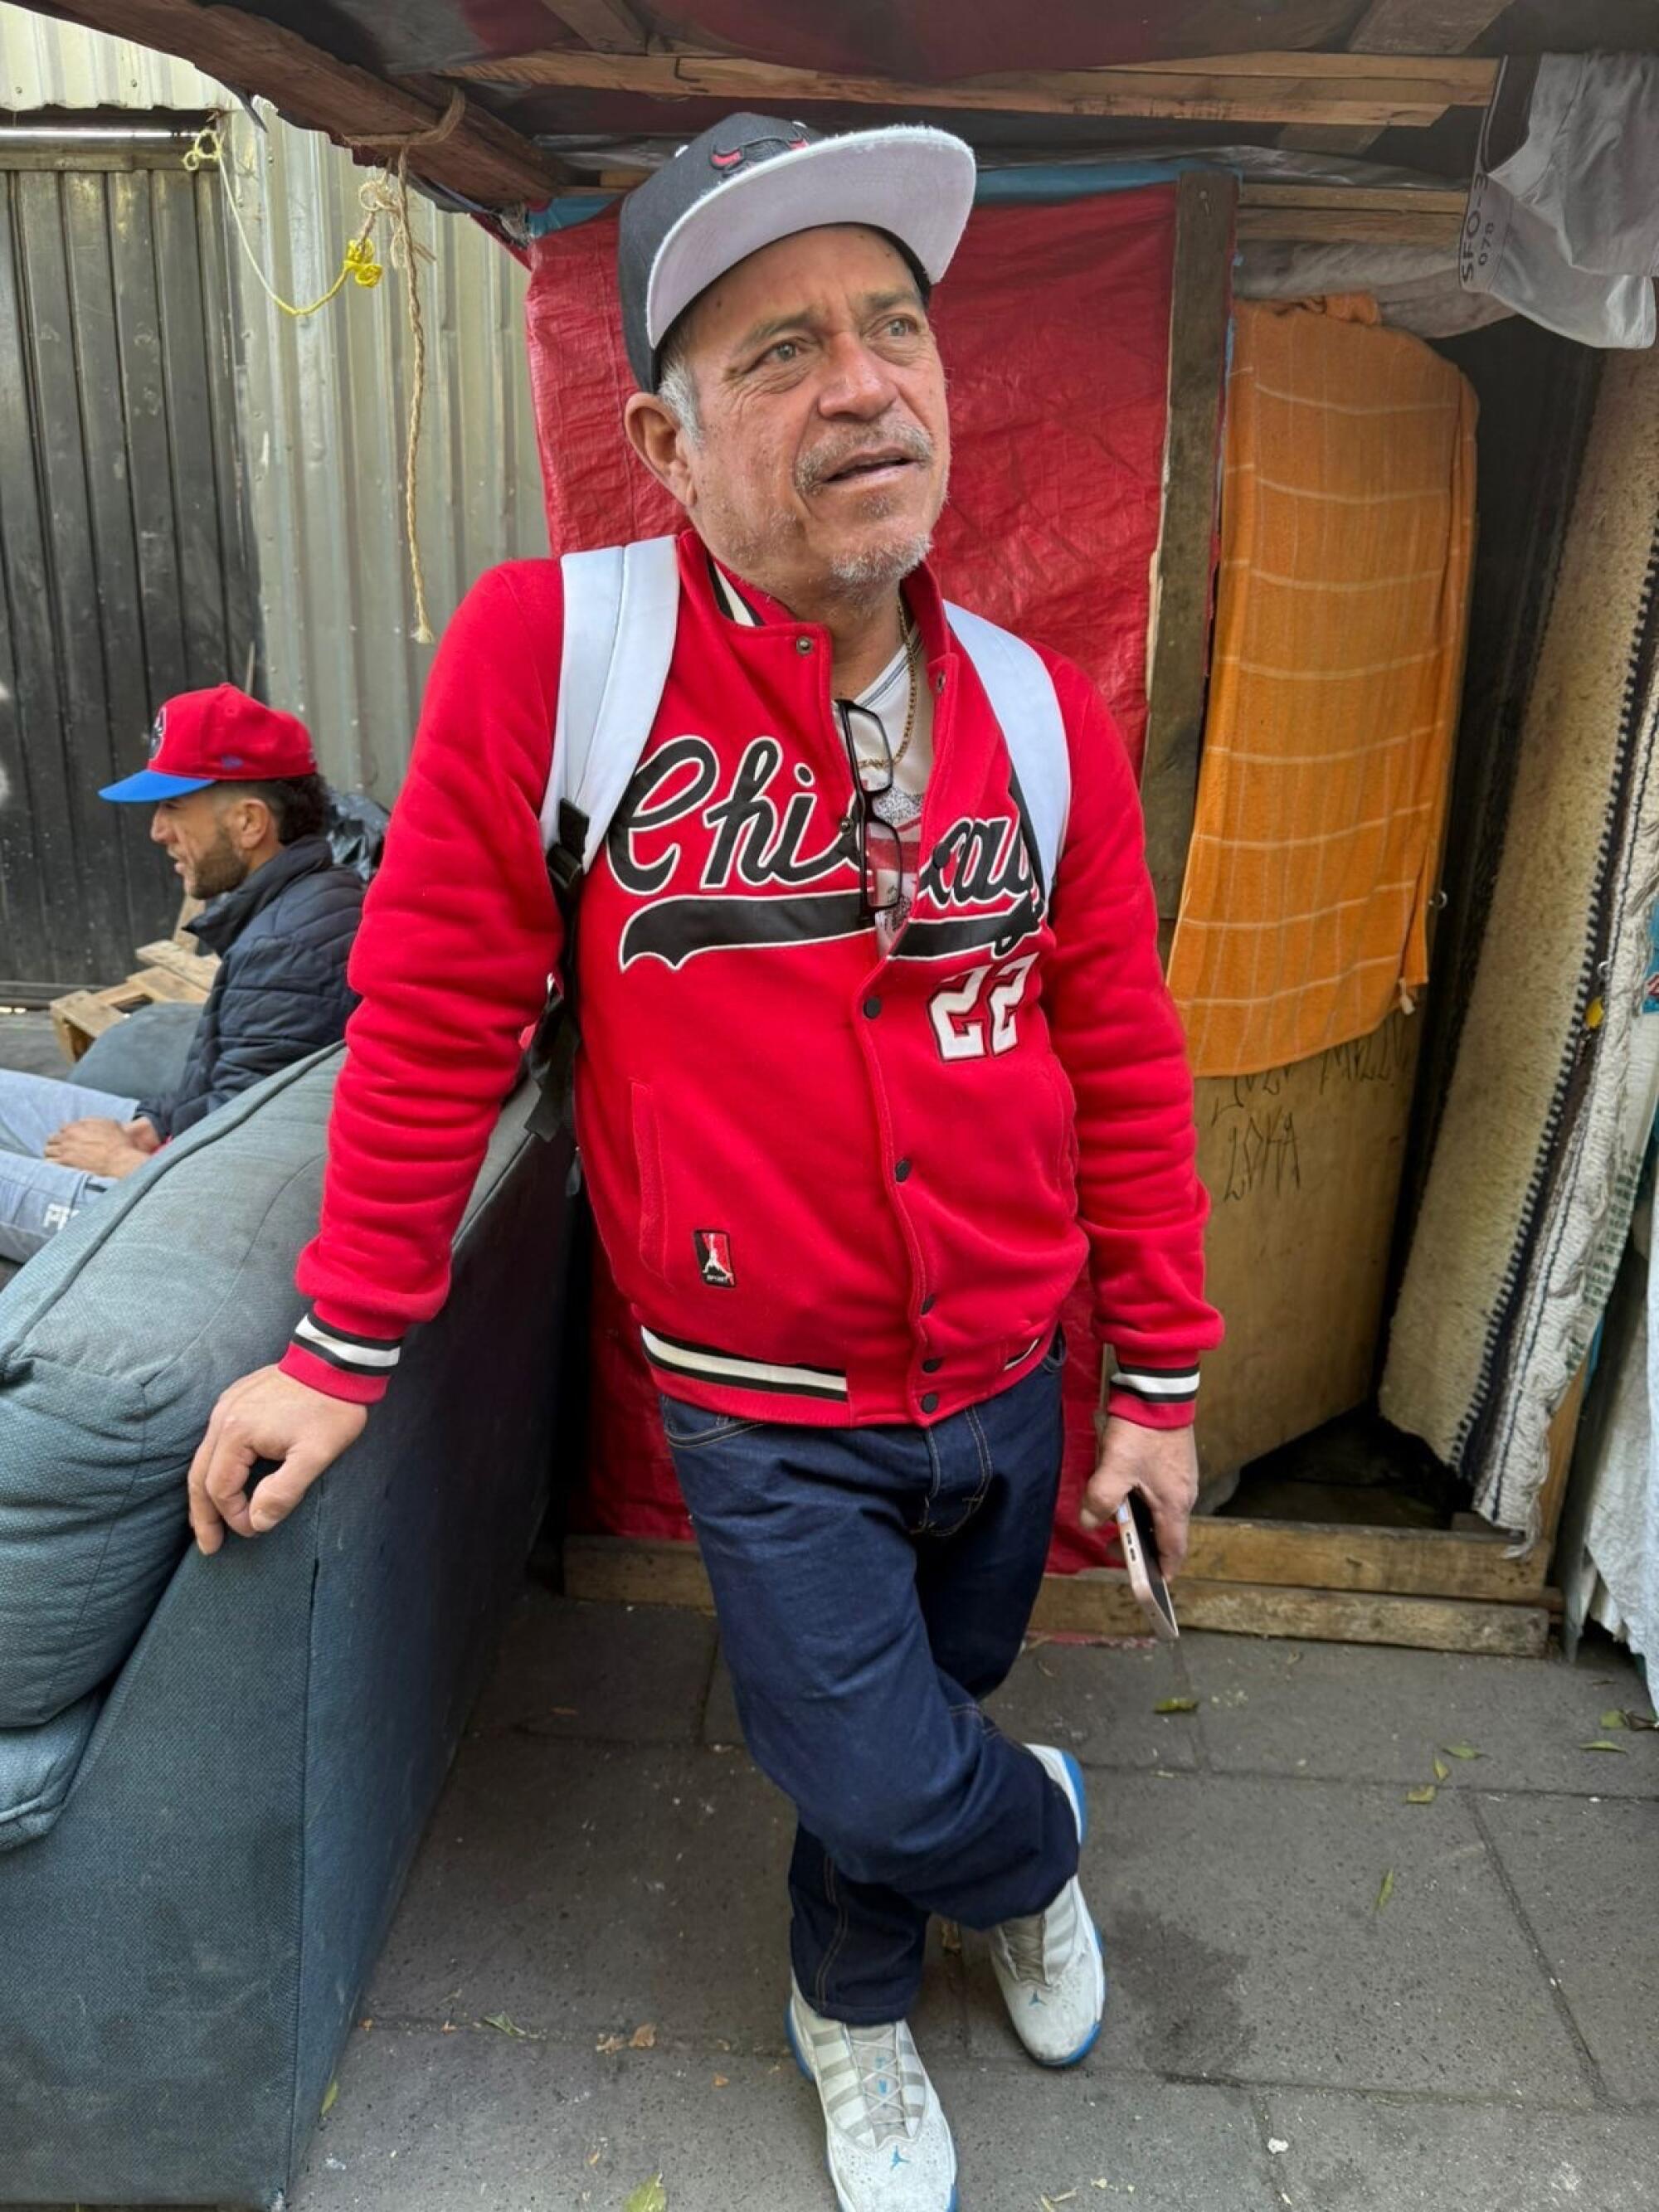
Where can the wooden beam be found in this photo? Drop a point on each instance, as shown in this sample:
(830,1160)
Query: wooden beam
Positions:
(1391,1562)
(1399,27)
(1318,214)
(609,26)
(482,157)
(1100,1604)
(1292,87)
(618,1570)
(1389,199)
(1357,225)
(1177,650)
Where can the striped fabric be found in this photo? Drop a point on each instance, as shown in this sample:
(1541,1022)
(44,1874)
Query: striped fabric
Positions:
(1157,1386)
(705,1363)
(1347,531)
(338,1348)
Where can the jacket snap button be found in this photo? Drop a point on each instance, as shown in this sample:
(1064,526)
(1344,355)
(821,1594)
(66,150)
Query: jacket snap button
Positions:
(872,1008)
(931,1366)
(901,1169)
(930,1403)
(803,645)
(938,682)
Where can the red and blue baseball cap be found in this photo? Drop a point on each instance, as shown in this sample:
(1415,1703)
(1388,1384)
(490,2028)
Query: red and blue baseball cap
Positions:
(219,736)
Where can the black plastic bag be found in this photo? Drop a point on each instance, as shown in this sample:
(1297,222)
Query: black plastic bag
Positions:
(355,829)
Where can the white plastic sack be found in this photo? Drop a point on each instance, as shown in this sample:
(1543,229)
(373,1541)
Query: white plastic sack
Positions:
(1563,218)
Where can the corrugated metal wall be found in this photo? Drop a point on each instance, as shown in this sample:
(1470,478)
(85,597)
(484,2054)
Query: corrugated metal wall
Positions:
(322,405)
(123,574)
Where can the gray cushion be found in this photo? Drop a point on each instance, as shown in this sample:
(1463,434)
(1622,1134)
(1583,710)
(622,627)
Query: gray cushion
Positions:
(115,1342)
(36,1765)
(142,1057)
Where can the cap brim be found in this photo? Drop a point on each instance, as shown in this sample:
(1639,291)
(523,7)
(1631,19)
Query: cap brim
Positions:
(150,784)
(907,178)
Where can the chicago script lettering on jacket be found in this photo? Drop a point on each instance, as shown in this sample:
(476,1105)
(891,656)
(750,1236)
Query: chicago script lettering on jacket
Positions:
(977,886)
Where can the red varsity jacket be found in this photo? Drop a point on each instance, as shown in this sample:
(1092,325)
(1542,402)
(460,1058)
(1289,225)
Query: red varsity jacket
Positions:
(834,1187)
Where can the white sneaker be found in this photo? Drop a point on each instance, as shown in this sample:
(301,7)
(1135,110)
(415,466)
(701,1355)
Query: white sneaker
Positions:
(890,2147)
(1052,1977)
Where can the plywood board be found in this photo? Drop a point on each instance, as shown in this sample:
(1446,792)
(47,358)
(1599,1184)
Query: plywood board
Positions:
(1302,1165)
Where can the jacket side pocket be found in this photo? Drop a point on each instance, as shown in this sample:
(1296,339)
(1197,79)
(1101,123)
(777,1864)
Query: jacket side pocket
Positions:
(648,1159)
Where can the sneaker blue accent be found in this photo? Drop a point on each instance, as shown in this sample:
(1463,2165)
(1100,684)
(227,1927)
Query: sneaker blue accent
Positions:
(1074,1775)
(899,2159)
(789,2030)
(1076,2057)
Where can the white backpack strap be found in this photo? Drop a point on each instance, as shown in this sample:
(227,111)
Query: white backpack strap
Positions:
(621,610)
(1027,708)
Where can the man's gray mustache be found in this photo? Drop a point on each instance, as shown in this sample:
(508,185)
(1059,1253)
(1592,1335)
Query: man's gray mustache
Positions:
(816,468)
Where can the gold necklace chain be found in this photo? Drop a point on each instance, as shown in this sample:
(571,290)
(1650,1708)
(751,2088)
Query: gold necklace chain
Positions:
(912,640)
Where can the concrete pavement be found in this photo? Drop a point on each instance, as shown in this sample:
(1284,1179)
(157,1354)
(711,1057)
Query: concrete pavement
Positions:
(585,1981)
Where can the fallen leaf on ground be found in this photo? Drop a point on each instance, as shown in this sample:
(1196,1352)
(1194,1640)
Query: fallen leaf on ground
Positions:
(643,2038)
(1385,1892)
(611,2045)
(722,2082)
(1601,1744)
(1612,1719)
(1441,1770)
(1640,1720)
(1460,1750)
(649,2196)
(330,2095)
(1176,1706)
(504,2024)
(1423,1796)
(949,1937)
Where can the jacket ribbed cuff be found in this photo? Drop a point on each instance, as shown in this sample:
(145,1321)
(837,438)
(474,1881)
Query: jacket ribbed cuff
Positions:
(345,1363)
(1164,1396)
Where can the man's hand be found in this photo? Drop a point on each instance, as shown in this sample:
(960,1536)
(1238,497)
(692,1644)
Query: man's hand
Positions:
(1162,1464)
(267,1415)
(100,1147)
(143,1133)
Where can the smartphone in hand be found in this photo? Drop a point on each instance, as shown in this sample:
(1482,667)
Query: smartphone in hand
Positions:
(1135,1533)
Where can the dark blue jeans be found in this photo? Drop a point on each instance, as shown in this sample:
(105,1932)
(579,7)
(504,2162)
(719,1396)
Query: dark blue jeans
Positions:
(872,1585)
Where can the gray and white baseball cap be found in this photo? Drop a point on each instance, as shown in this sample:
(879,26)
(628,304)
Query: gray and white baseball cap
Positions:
(753,180)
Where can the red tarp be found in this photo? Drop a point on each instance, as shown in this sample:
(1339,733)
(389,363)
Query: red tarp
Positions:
(1053,323)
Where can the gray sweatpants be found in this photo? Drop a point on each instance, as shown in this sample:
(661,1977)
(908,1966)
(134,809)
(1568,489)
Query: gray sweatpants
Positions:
(39,1197)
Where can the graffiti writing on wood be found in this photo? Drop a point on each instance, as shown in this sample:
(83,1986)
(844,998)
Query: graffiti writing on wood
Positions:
(1379,1058)
(1261,1155)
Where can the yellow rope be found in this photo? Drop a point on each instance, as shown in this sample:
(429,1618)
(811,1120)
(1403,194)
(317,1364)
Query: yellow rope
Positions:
(384,193)
(208,151)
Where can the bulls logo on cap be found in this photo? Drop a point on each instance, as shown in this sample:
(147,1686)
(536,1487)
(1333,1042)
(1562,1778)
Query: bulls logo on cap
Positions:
(724,156)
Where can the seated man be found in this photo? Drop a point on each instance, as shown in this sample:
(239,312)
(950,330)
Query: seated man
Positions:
(239,806)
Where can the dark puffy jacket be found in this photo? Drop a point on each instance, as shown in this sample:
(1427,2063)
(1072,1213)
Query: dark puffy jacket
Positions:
(284,938)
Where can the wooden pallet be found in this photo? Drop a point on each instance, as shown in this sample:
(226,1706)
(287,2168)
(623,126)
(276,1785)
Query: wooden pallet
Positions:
(172,973)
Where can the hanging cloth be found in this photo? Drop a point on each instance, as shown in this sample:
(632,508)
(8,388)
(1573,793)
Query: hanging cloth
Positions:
(1346,532)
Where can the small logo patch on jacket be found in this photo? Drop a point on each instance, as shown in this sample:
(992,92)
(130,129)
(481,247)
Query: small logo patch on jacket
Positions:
(715,1258)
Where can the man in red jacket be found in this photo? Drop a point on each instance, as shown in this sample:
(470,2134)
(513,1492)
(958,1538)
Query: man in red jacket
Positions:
(859,1092)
